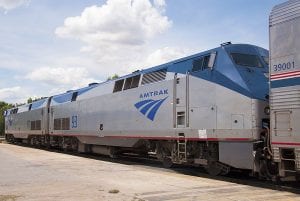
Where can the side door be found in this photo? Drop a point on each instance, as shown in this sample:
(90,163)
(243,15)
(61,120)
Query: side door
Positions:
(181,102)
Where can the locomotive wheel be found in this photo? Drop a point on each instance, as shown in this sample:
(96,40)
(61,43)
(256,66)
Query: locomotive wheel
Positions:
(47,142)
(213,169)
(10,138)
(167,162)
(74,144)
(113,152)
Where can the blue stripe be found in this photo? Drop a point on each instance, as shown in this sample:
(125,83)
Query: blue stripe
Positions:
(37,104)
(285,82)
(141,103)
(148,106)
(63,98)
(153,111)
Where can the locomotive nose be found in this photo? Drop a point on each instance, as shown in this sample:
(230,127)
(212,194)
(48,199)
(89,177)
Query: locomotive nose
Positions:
(258,85)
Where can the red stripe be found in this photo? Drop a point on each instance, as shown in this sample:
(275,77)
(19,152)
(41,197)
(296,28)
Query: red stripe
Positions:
(73,135)
(152,137)
(161,137)
(283,75)
(190,139)
(286,143)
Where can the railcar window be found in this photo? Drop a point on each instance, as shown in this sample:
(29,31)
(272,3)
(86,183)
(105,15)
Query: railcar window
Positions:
(132,82)
(246,60)
(36,125)
(201,63)
(154,76)
(14,111)
(32,125)
(266,60)
(118,85)
(74,96)
(66,123)
(205,62)
(62,124)
(57,124)
(128,83)
(180,118)
(197,64)
(135,81)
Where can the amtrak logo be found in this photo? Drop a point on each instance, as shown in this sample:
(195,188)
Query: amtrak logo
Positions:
(149,107)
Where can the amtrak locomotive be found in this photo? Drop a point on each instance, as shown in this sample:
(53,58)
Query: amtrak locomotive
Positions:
(207,109)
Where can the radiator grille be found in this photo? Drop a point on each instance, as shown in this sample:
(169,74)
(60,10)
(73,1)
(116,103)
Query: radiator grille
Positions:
(155,76)
(285,12)
(285,99)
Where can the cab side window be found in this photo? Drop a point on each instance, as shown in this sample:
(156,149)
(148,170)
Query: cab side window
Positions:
(204,62)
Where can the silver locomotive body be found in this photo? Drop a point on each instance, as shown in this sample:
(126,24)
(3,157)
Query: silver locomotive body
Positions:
(206,109)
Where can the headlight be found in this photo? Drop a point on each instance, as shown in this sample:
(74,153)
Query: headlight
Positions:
(267,110)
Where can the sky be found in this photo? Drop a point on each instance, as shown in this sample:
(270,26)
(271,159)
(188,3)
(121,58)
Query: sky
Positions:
(50,46)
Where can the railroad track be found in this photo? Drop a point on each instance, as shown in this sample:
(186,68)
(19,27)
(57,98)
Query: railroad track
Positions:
(2,139)
(150,162)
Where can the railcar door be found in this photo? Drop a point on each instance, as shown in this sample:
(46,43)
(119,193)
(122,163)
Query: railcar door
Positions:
(47,116)
(181,102)
(181,118)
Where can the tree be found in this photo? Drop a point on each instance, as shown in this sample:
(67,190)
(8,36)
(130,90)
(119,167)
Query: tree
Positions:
(29,100)
(3,106)
(115,76)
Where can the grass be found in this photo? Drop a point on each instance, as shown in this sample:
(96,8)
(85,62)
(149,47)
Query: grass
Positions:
(8,197)
(111,191)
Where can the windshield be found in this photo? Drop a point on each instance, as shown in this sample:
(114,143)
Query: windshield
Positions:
(266,60)
(246,60)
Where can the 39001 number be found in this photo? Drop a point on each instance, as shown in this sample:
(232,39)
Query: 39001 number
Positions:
(284,66)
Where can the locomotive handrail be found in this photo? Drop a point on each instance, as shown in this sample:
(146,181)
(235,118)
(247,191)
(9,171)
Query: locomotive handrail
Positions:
(279,129)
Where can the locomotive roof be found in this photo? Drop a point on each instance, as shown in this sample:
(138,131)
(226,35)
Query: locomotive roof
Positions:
(67,96)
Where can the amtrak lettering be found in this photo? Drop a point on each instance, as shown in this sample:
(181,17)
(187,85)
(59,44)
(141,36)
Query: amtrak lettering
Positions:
(154,93)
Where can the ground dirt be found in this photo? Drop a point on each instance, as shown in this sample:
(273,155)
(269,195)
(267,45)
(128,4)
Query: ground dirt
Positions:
(34,174)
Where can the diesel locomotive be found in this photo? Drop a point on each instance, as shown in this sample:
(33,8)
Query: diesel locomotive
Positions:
(206,109)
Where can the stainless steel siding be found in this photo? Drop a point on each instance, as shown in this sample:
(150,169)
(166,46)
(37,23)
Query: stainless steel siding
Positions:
(285,12)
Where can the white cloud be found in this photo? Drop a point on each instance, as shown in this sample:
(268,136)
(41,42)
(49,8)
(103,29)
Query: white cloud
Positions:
(13,95)
(164,55)
(11,4)
(116,33)
(122,22)
(160,4)
(61,78)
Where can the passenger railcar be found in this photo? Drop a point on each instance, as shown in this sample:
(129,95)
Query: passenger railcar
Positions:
(206,109)
(285,87)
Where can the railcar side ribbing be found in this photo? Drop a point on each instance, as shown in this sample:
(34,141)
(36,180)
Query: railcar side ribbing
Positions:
(285,88)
